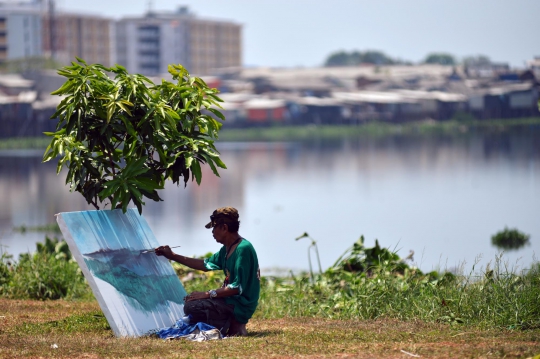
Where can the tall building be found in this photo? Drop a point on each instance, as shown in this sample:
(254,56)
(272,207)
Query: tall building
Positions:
(20,30)
(149,44)
(85,36)
(214,44)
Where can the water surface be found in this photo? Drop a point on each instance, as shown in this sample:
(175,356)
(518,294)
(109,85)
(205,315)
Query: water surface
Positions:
(442,197)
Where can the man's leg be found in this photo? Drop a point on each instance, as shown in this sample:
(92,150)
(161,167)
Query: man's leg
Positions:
(237,329)
(215,312)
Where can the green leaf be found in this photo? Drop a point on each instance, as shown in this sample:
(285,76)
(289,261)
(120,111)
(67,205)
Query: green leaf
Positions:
(196,170)
(80,60)
(189,159)
(107,191)
(217,113)
(210,162)
(219,162)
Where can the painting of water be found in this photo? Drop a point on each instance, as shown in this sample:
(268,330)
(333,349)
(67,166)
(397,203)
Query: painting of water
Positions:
(137,291)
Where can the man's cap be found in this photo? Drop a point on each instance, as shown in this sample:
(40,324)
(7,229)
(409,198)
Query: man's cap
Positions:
(226,213)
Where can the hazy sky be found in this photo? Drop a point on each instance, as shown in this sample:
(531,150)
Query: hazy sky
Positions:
(303,32)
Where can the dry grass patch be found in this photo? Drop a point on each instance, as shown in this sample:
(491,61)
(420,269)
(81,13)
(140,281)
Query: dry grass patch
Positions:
(29,328)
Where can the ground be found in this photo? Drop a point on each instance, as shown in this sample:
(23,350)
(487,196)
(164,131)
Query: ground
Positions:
(31,329)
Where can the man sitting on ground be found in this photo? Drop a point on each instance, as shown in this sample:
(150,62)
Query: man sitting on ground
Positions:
(230,307)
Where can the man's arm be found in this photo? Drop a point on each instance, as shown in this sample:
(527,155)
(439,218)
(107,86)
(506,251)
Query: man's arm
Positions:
(221,292)
(192,263)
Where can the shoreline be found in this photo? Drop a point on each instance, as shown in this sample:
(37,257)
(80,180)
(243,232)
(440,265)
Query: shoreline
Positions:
(276,133)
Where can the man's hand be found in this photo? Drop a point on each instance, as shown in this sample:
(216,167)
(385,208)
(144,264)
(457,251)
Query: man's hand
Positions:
(164,251)
(197,296)
(193,263)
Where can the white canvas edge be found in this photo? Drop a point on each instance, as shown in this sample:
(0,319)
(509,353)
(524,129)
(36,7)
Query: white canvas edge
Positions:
(89,277)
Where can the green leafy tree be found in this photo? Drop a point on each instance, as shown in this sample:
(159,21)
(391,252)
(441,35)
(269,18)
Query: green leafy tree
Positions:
(121,138)
(440,58)
(340,58)
(510,239)
(480,60)
(376,57)
(343,58)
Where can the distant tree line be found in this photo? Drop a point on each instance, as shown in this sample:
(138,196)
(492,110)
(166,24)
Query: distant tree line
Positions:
(29,64)
(353,58)
(343,58)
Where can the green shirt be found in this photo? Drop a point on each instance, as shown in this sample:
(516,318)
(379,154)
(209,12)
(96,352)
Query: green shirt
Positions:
(241,271)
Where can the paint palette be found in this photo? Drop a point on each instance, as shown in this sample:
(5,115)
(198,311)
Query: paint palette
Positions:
(137,292)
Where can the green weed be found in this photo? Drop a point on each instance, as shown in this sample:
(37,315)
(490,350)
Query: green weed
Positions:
(49,273)
(364,284)
(499,299)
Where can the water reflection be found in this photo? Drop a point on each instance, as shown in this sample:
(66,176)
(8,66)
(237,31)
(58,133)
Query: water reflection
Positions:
(441,196)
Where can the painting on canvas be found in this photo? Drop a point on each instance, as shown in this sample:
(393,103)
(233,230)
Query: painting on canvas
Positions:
(138,292)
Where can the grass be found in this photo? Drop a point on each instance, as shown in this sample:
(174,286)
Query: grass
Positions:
(50,227)
(369,304)
(29,328)
(25,143)
(371,130)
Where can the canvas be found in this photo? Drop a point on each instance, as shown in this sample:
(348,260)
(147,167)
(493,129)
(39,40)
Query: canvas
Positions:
(138,292)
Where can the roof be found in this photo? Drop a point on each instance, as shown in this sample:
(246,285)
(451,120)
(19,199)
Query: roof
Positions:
(15,81)
(504,89)
(372,97)
(47,102)
(319,101)
(433,95)
(263,103)
(23,97)
(236,97)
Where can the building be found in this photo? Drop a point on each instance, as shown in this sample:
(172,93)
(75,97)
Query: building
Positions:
(213,45)
(84,36)
(20,30)
(534,66)
(149,44)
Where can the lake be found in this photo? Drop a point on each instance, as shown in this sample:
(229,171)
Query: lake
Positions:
(442,197)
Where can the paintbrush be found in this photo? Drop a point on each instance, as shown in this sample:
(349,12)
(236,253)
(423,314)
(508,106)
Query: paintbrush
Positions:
(153,250)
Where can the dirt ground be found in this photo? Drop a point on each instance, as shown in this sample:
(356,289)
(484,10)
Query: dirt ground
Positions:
(62,329)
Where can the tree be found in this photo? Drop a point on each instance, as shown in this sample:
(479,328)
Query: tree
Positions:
(343,58)
(510,239)
(377,58)
(480,60)
(121,138)
(340,58)
(440,58)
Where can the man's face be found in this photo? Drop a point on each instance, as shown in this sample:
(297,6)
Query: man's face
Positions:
(218,231)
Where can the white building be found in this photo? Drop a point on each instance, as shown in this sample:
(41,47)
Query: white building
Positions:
(20,30)
(149,44)
(534,66)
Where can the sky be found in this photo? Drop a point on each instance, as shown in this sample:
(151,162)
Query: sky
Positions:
(302,33)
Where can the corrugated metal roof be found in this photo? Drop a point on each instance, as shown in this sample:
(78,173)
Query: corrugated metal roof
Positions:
(15,81)
(372,97)
(264,104)
(504,89)
(433,95)
(319,101)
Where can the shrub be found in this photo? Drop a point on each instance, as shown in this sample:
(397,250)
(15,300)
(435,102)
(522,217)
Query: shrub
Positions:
(510,239)
(50,273)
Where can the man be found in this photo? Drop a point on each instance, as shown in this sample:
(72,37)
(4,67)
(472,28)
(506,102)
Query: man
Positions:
(230,307)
